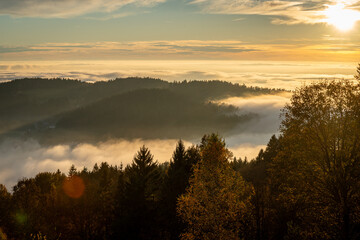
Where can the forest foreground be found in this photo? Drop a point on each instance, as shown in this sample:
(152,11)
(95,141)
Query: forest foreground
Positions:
(304,185)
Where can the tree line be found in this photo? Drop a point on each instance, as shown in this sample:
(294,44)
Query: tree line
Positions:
(304,185)
(54,111)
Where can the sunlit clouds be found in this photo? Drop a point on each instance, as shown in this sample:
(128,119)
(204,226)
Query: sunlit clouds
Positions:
(339,13)
(280,74)
(322,50)
(268,30)
(66,8)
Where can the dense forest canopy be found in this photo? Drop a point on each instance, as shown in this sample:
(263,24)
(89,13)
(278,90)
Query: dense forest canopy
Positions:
(304,185)
(46,109)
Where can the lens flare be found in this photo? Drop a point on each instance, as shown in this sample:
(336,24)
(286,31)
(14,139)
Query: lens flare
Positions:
(341,17)
(2,235)
(20,217)
(74,187)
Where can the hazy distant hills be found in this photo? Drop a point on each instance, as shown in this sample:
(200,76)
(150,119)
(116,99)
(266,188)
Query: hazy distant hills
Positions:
(59,110)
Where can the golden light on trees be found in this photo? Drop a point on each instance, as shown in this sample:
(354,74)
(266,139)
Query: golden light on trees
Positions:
(319,164)
(217,202)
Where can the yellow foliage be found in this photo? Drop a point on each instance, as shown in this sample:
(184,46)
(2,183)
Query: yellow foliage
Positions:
(217,202)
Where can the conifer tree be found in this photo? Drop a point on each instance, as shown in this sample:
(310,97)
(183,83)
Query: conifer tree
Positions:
(357,75)
(140,194)
(175,183)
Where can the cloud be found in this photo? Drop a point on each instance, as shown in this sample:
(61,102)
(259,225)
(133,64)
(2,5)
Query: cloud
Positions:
(181,49)
(249,151)
(247,139)
(280,49)
(287,75)
(285,11)
(206,46)
(20,159)
(27,158)
(113,16)
(4,49)
(267,108)
(66,8)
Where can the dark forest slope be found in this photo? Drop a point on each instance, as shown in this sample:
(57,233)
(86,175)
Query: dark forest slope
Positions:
(64,110)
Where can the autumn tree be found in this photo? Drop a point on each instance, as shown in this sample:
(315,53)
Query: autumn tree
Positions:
(316,173)
(217,202)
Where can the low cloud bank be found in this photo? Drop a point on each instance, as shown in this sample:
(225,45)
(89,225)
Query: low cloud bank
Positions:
(254,135)
(27,158)
(20,159)
(268,109)
(251,73)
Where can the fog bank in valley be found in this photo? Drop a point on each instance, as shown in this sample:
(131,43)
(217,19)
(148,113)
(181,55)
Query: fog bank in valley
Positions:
(248,138)
(27,158)
(20,158)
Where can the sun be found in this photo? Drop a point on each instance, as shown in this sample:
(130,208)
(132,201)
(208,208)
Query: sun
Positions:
(339,16)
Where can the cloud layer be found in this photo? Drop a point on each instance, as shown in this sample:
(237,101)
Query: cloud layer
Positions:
(20,158)
(27,158)
(286,75)
(66,8)
(284,11)
(323,49)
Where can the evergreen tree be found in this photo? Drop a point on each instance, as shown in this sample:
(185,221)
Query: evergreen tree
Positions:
(72,171)
(175,183)
(257,173)
(357,75)
(138,198)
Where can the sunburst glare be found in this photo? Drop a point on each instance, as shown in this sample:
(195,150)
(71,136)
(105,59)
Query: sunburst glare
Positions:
(340,16)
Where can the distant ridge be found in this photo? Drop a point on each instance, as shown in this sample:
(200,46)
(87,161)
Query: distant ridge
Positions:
(61,110)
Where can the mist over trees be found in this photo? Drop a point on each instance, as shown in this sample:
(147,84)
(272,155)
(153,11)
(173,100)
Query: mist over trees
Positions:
(61,111)
(304,185)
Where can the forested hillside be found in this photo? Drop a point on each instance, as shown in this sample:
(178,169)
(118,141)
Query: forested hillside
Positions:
(304,185)
(60,110)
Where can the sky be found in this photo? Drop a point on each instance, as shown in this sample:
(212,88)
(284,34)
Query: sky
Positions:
(251,30)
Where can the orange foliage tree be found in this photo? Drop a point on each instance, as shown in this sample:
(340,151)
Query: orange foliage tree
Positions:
(217,203)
